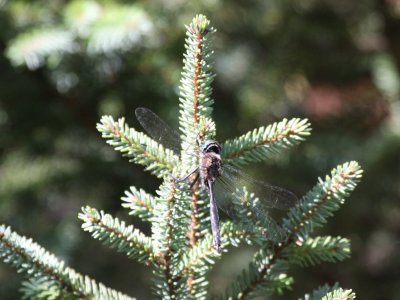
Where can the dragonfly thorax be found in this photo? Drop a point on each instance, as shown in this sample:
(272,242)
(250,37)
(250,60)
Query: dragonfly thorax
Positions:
(210,161)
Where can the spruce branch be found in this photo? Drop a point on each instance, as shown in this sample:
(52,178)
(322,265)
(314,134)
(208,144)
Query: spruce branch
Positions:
(341,294)
(164,233)
(140,203)
(32,48)
(259,144)
(197,76)
(195,89)
(107,29)
(199,215)
(199,257)
(327,292)
(252,282)
(195,264)
(119,28)
(196,125)
(117,235)
(320,249)
(30,258)
(202,256)
(320,292)
(193,267)
(235,234)
(324,199)
(42,288)
(137,146)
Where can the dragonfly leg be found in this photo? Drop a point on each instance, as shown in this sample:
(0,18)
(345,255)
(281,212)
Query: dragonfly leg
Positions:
(186,176)
(194,180)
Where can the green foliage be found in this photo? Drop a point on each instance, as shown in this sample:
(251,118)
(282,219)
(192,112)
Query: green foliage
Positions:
(327,292)
(340,294)
(320,249)
(259,144)
(33,48)
(34,261)
(88,27)
(137,146)
(41,288)
(324,199)
(118,28)
(180,248)
(117,235)
(195,89)
(140,203)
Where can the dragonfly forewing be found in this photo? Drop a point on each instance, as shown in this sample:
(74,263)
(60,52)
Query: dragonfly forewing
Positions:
(158,129)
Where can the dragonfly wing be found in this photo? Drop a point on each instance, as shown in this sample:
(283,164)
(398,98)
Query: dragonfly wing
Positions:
(158,129)
(244,207)
(270,196)
(225,194)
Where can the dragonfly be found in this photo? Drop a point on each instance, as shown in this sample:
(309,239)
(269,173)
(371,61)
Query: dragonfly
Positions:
(225,179)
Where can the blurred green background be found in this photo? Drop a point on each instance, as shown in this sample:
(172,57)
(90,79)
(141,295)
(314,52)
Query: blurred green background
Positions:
(64,64)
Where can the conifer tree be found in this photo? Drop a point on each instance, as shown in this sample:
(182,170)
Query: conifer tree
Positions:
(180,250)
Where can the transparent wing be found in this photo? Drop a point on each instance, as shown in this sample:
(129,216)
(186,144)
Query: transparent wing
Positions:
(251,209)
(270,196)
(158,129)
(244,207)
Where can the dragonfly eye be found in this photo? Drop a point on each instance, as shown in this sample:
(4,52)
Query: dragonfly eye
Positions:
(214,149)
(211,146)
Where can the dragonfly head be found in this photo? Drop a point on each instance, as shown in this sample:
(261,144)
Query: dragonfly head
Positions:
(211,146)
